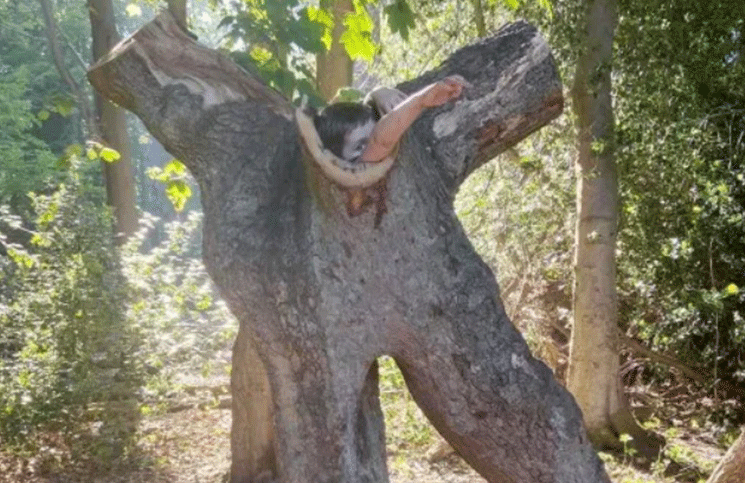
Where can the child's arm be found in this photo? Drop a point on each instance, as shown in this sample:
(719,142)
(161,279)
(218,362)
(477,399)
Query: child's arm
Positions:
(392,126)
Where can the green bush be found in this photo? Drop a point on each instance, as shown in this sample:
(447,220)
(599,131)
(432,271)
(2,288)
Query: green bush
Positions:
(173,303)
(64,337)
(84,321)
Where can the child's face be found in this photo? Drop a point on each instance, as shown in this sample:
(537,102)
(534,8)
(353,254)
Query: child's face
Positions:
(355,141)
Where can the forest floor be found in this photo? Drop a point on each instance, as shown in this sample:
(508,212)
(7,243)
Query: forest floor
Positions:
(190,443)
(189,446)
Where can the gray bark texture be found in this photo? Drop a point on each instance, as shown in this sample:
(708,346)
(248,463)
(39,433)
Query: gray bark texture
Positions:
(731,468)
(320,295)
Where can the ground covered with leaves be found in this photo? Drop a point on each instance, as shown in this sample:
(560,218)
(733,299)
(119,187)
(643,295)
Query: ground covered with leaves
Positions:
(188,440)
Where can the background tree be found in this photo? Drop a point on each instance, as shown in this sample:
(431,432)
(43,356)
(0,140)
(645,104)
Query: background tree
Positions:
(119,175)
(680,152)
(334,66)
(593,364)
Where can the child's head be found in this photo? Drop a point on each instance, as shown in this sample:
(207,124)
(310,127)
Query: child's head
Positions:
(345,128)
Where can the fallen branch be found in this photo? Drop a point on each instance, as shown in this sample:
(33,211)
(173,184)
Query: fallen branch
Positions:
(701,376)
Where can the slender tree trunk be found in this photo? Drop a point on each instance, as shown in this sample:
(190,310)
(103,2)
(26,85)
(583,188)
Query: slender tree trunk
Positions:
(478,13)
(731,469)
(112,123)
(594,359)
(334,67)
(50,27)
(178,10)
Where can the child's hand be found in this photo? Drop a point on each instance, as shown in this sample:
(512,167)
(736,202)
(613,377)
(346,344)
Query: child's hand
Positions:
(439,93)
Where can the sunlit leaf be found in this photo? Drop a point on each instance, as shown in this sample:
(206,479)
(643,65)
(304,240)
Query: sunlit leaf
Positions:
(357,39)
(174,168)
(261,56)
(20,258)
(73,150)
(64,106)
(110,155)
(179,193)
(133,10)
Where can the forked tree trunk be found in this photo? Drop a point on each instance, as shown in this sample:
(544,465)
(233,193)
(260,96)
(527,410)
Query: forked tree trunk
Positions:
(320,296)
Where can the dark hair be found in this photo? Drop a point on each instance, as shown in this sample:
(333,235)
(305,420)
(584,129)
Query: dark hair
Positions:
(336,120)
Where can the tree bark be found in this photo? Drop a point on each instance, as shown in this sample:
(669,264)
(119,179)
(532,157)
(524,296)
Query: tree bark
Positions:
(478,18)
(334,67)
(321,295)
(178,10)
(252,432)
(112,126)
(594,357)
(731,469)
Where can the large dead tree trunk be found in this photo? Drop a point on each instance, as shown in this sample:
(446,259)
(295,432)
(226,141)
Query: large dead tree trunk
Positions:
(321,296)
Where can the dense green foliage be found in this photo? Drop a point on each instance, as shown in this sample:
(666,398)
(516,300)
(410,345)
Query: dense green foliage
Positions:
(82,321)
(278,39)
(173,304)
(679,109)
(681,118)
(64,335)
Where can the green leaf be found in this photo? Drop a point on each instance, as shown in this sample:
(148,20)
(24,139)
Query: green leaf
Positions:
(349,94)
(546,5)
(173,175)
(48,215)
(133,10)
(731,289)
(174,168)
(357,39)
(21,258)
(261,55)
(63,105)
(310,31)
(73,150)
(179,193)
(110,155)
(512,4)
(43,115)
(400,18)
